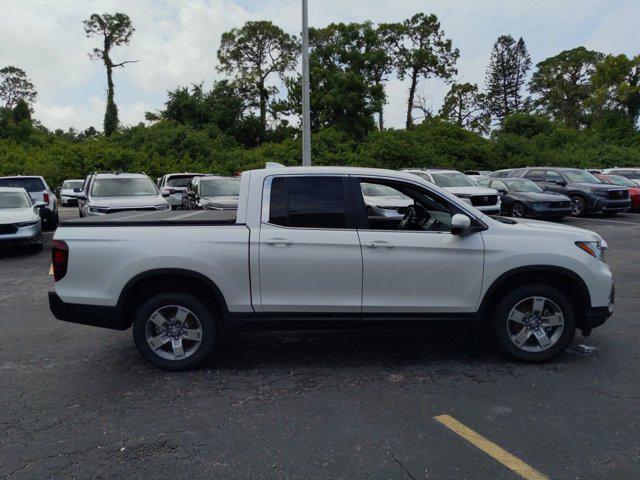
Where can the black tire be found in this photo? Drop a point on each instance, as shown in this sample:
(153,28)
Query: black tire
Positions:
(200,309)
(518,210)
(578,206)
(513,298)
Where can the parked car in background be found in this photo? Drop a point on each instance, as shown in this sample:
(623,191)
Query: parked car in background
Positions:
(212,193)
(20,222)
(634,188)
(384,201)
(523,198)
(630,173)
(106,193)
(69,191)
(587,193)
(39,191)
(593,170)
(484,199)
(302,249)
(175,185)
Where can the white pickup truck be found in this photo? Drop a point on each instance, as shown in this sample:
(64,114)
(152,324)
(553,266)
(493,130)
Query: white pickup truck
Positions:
(303,251)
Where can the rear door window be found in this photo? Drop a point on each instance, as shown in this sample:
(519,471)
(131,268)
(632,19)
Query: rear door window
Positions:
(553,177)
(309,202)
(536,175)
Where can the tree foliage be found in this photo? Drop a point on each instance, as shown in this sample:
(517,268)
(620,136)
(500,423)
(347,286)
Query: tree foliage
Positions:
(113,30)
(16,86)
(466,106)
(616,84)
(506,77)
(253,53)
(420,50)
(563,85)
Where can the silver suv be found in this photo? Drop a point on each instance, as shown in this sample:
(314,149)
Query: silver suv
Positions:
(106,193)
(40,193)
(175,184)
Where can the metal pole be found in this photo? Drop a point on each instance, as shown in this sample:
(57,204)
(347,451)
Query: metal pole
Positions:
(306,101)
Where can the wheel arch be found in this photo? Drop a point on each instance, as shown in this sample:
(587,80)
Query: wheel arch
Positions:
(567,281)
(161,280)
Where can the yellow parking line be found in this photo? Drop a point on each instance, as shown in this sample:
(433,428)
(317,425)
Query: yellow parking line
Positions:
(51,269)
(505,458)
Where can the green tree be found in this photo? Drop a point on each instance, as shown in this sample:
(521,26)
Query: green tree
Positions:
(420,50)
(113,30)
(16,86)
(616,84)
(563,84)
(253,53)
(21,111)
(506,77)
(465,106)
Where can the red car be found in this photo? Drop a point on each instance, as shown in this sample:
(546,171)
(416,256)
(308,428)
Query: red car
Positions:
(634,188)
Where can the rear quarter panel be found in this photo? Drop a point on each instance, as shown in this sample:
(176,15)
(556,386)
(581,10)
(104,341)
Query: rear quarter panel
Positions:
(103,259)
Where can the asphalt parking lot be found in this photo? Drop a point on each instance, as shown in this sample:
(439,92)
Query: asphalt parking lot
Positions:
(79,402)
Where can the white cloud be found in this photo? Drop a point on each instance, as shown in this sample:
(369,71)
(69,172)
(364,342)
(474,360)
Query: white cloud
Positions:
(176,43)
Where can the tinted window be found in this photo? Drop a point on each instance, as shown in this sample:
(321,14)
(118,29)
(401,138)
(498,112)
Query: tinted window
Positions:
(29,184)
(71,184)
(14,200)
(452,179)
(123,187)
(220,187)
(536,175)
(553,177)
(179,181)
(308,202)
(580,176)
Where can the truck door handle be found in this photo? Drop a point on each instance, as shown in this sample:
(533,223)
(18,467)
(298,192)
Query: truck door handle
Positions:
(379,244)
(279,242)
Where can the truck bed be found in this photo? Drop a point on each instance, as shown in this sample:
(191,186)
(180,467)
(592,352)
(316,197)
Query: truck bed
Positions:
(157,219)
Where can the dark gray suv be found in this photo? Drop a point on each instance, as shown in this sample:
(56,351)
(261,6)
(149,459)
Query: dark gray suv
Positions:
(587,193)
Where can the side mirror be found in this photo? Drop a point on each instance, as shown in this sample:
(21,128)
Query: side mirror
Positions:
(562,183)
(77,190)
(81,196)
(40,204)
(165,193)
(459,223)
(502,191)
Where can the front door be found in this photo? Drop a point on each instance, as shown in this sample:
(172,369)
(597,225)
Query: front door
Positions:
(420,266)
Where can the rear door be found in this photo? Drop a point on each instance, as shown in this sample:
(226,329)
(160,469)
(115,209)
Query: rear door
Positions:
(538,176)
(422,270)
(310,258)
(555,182)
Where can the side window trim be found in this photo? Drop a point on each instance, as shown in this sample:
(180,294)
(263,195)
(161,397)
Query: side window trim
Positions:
(348,202)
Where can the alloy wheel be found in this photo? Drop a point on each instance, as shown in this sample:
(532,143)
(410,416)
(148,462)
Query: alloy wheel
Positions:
(577,206)
(517,210)
(535,324)
(173,332)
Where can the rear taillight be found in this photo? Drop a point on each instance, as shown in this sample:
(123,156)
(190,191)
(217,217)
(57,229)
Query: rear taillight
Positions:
(45,198)
(60,259)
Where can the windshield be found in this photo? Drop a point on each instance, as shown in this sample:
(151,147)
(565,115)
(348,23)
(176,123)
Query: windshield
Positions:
(224,187)
(523,185)
(71,184)
(179,181)
(373,190)
(30,184)
(452,179)
(123,187)
(620,180)
(580,176)
(14,200)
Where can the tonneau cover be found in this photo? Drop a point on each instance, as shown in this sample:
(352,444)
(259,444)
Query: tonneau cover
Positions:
(167,218)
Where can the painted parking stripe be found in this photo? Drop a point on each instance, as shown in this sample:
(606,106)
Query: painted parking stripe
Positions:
(51,270)
(487,446)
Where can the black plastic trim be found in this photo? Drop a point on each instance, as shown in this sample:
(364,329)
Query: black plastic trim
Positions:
(93,315)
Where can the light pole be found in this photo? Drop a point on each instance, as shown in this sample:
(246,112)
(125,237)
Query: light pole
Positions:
(306,100)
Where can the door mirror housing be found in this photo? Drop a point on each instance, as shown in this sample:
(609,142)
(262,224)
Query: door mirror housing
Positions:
(40,204)
(562,183)
(460,223)
(165,193)
(81,196)
(502,191)
(77,190)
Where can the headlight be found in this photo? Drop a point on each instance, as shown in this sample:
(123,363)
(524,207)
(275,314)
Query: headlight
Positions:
(166,206)
(27,224)
(594,248)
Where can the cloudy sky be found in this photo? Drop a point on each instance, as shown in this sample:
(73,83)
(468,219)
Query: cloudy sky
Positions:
(176,43)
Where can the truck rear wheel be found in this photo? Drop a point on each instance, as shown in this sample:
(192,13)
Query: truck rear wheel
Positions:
(534,323)
(174,331)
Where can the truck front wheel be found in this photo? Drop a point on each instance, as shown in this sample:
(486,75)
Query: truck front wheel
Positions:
(174,331)
(534,322)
